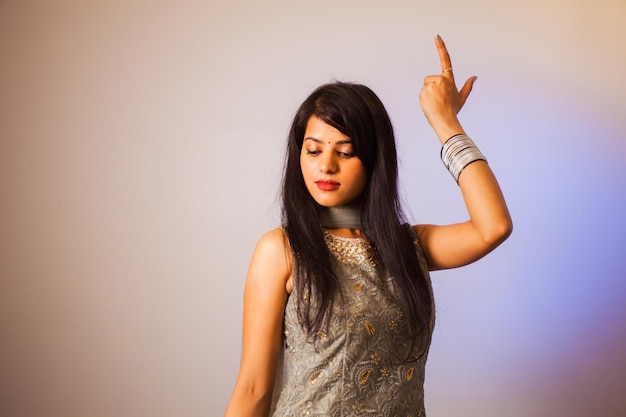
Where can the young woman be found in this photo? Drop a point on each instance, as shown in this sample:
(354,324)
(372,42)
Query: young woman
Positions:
(342,289)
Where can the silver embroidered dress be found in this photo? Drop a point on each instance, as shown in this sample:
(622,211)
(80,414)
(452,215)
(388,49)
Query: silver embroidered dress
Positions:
(360,366)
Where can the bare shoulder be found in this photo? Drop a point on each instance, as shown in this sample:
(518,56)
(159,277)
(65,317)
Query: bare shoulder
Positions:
(274,244)
(272,256)
(276,237)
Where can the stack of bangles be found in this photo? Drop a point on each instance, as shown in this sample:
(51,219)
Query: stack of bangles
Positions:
(458,152)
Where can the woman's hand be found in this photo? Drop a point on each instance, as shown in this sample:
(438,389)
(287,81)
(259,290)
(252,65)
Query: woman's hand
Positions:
(440,99)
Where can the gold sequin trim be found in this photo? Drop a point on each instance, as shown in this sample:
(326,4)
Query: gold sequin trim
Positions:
(352,251)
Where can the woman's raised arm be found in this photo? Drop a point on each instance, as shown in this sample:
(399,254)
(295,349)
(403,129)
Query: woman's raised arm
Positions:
(490,223)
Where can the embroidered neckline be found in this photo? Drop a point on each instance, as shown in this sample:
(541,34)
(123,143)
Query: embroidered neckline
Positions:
(355,251)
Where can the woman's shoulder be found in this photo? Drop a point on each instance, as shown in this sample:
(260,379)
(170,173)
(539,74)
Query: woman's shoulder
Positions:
(275,238)
(275,245)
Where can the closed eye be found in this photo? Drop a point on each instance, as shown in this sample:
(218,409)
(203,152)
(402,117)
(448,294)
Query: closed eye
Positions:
(312,152)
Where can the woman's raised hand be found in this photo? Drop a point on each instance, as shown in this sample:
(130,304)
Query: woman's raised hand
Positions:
(440,99)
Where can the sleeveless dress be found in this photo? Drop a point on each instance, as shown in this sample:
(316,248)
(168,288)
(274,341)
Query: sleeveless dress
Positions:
(361,366)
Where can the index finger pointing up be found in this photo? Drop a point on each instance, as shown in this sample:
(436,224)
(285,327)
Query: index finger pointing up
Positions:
(444,57)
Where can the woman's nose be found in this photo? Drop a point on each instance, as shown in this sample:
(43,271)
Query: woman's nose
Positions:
(328,163)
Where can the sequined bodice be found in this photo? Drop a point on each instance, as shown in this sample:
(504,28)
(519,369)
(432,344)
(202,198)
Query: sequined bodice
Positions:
(360,365)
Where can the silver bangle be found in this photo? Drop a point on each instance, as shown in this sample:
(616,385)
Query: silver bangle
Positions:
(458,152)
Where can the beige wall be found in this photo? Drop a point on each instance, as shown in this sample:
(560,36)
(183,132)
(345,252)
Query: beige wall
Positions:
(141,146)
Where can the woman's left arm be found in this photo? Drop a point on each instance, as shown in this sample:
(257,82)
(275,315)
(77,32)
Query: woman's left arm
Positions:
(490,224)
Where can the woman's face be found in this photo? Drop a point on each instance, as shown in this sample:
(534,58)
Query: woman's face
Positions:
(333,174)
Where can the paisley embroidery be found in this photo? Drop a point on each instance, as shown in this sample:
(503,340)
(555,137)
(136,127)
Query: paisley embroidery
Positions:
(358,364)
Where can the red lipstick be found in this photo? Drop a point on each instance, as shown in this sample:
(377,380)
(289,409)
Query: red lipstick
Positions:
(327,185)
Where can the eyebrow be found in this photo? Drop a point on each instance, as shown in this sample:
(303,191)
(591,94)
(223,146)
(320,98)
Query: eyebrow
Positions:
(339,142)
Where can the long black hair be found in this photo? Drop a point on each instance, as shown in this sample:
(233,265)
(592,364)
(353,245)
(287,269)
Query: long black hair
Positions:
(358,113)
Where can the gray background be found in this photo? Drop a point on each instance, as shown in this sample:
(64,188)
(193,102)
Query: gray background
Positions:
(141,146)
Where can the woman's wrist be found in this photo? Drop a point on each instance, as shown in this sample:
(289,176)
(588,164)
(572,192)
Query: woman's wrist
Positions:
(458,152)
(445,131)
